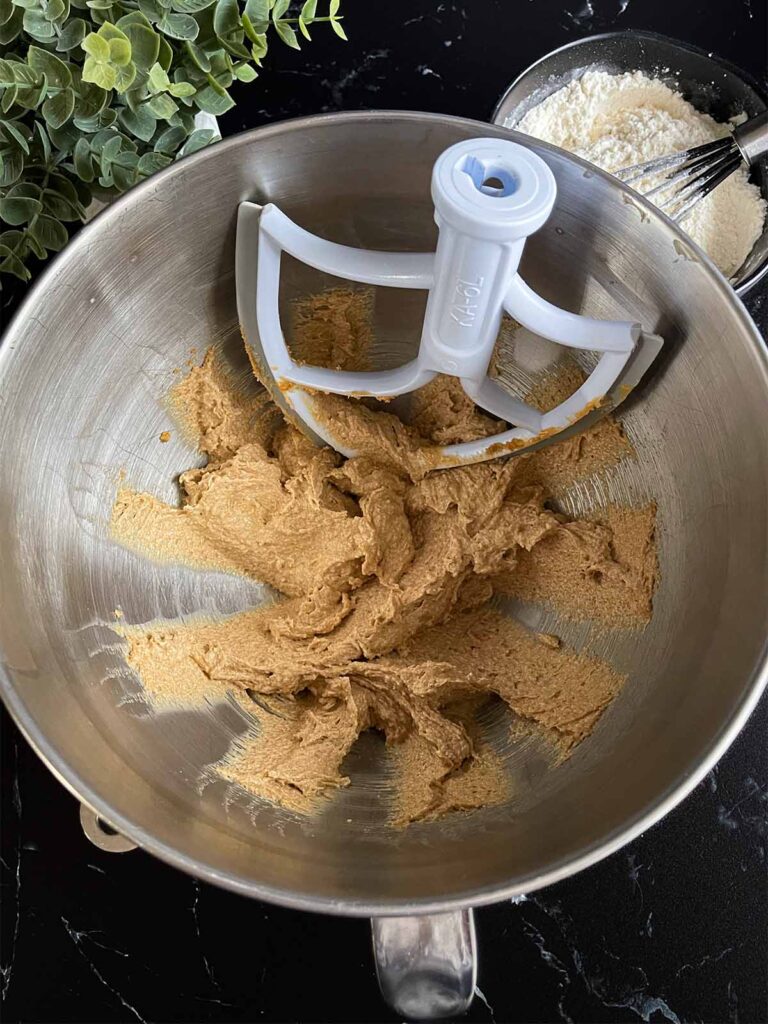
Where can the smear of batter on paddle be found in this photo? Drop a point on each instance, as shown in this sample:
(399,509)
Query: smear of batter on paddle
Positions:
(386,571)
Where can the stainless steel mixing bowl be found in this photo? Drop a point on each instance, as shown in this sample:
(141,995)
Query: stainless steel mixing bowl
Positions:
(84,370)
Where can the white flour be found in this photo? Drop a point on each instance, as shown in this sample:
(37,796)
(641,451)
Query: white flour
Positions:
(618,120)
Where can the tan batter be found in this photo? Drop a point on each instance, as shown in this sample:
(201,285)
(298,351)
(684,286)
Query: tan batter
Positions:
(386,571)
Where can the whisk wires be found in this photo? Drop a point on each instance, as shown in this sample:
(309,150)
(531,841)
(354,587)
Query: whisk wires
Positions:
(687,176)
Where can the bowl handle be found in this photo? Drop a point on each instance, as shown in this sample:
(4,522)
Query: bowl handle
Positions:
(426,966)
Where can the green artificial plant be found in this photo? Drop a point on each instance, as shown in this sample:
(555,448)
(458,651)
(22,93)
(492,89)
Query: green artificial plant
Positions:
(96,95)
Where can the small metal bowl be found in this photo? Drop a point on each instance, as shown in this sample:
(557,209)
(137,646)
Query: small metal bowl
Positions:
(709,83)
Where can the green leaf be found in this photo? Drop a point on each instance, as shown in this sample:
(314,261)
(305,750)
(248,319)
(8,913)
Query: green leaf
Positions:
(96,46)
(103,119)
(182,89)
(58,109)
(170,140)
(11,28)
(65,187)
(82,160)
(245,73)
(19,210)
(279,8)
(28,5)
(37,25)
(23,75)
(89,107)
(198,140)
(31,98)
(140,123)
(250,29)
(50,233)
(124,177)
(125,78)
(34,246)
(9,98)
(132,18)
(162,106)
(150,163)
(151,9)
(103,75)
(54,69)
(165,54)
(183,119)
(119,52)
(216,85)
(53,10)
(145,45)
(11,130)
(135,96)
(72,35)
(179,26)
(90,100)
(212,102)
(259,50)
(128,159)
(13,165)
(287,34)
(226,18)
(99,141)
(257,12)
(220,64)
(333,9)
(199,56)
(11,264)
(42,138)
(58,206)
(110,149)
(158,80)
(24,190)
(64,138)
(109,31)
(336,26)
(6,10)
(236,48)
(307,16)
(56,11)
(13,240)
(191,6)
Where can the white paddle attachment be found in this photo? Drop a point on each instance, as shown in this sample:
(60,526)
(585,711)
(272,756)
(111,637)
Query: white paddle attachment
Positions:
(489,196)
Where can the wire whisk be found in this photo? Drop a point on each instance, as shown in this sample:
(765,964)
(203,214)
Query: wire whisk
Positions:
(690,175)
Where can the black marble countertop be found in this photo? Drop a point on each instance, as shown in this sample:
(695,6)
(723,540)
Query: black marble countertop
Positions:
(672,928)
